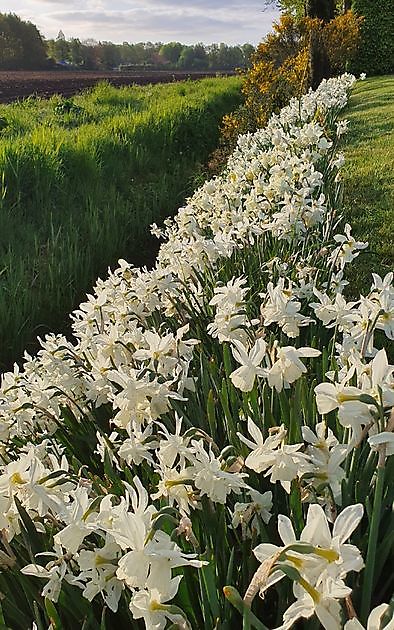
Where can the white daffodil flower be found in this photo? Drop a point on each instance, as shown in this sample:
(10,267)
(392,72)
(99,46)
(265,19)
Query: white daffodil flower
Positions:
(230,295)
(375,620)
(380,373)
(138,446)
(327,610)
(244,377)
(55,572)
(97,574)
(352,413)
(173,445)
(158,352)
(326,456)
(385,438)
(322,564)
(150,604)
(246,514)
(283,308)
(230,317)
(263,453)
(338,313)
(283,462)
(341,127)
(155,560)
(317,532)
(78,527)
(210,478)
(288,366)
(349,248)
(265,551)
(176,486)
(330,396)
(228,327)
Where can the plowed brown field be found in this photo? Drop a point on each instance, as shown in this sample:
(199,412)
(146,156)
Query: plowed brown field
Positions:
(16,85)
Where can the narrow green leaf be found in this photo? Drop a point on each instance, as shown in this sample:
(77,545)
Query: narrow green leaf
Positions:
(296,507)
(228,368)
(2,620)
(53,615)
(37,617)
(208,576)
(211,414)
(33,536)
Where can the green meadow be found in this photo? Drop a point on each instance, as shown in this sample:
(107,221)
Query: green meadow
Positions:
(81,180)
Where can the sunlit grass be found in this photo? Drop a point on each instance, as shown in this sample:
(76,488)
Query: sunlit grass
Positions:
(369,175)
(81,180)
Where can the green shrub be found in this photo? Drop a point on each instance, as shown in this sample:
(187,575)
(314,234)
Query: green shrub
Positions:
(376,54)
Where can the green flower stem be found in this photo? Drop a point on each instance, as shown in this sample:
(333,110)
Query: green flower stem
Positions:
(372,541)
(248,617)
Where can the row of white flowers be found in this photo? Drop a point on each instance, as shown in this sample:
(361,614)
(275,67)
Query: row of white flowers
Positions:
(189,386)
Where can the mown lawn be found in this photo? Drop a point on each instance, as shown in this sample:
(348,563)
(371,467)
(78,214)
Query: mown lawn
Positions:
(369,176)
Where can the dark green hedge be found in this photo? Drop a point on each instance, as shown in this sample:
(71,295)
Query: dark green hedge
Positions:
(376,55)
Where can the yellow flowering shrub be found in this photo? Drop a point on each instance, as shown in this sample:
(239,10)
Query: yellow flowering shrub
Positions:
(341,39)
(281,69)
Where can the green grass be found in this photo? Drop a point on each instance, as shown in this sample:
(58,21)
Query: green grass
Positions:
(369,176)
(81,180)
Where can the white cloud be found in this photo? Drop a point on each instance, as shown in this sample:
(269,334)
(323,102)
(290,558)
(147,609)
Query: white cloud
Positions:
(187,21)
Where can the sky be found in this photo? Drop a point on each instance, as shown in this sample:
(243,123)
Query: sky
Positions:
(186,21)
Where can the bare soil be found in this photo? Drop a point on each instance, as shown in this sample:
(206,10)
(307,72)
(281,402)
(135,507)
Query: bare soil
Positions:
(16,85)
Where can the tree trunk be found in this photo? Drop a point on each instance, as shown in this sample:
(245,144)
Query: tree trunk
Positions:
(324,10)
(319,65)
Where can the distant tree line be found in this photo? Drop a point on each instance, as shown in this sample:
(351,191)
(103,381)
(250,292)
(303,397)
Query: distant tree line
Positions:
(93,55)
(23,47)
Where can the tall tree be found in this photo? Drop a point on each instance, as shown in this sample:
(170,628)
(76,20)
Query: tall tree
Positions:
(247,52)
(61,48)
(21,45)
(171,52)
(76,52)
(109,55)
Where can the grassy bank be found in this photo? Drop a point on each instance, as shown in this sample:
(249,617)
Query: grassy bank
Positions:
(369,176)
(81,181)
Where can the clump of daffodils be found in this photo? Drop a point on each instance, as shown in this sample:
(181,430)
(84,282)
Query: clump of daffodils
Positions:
(234,392)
